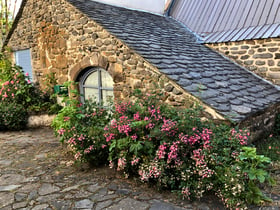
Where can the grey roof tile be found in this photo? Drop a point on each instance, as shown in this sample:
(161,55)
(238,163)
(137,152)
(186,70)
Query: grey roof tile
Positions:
(176,78)
(165,43)
(208,94)
(236,102)
(241,109)
(223,107)
(184,82)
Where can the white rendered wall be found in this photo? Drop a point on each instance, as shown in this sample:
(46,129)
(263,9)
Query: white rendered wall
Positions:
(155,6)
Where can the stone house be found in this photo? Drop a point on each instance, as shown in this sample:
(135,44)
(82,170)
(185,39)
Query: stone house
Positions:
(111,51)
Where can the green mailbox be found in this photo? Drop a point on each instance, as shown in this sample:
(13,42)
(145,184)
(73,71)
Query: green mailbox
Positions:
(60,90)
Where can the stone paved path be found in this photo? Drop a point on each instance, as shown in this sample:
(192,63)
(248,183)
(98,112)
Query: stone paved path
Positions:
(36,173)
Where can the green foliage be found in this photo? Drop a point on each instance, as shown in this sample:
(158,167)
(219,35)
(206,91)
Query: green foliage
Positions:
(50,81)
(7,70)
(81,126)
(13,116)
(270,147)
(7,18)
(169,147)
(239,171)
(254,165)
(138,129)
(17,89)
(276,130)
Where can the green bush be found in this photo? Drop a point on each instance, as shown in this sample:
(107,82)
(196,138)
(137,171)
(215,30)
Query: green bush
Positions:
(82,127)
(16,90)
(270,145)
(169,147)
(13,116)
(7,69)
(20,90)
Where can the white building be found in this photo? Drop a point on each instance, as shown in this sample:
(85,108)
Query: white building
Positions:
(154,6)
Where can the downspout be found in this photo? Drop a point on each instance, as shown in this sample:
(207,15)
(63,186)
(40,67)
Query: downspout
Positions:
(169,8)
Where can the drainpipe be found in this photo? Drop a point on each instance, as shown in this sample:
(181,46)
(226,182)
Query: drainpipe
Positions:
(168,9)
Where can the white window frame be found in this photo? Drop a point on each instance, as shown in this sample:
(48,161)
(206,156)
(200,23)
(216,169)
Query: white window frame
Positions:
(100,89)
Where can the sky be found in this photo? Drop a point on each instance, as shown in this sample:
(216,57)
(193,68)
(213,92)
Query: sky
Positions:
(17,4)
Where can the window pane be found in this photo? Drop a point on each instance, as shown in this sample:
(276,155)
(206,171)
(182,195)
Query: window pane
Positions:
(107,80)
(23,59)
(91,93)
(92,80)
(108,96)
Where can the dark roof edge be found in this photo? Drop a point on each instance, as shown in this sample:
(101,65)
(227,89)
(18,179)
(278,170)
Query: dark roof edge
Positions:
(168,10)
(18,16)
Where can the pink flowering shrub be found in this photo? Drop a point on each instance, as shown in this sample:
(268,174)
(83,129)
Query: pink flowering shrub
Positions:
(13,116)
(169,147)
(81,126)
(238,169)
(177,151)
(183,165)
(17,96)
(13,112)
(21,91)
(16,87)
(138,129)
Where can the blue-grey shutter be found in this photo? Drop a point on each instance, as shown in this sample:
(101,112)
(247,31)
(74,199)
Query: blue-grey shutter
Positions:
(23,59)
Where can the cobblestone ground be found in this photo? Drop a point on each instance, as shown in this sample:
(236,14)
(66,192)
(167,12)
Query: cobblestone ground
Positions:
(36,173)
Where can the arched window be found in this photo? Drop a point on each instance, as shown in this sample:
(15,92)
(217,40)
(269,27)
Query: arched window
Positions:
(97,84)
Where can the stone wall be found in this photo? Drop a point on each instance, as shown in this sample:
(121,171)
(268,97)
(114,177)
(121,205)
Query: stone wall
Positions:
(261,123)
(36,121)
(65,41)
(260,56)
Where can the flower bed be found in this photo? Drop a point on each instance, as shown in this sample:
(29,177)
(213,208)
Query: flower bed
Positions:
(168,147)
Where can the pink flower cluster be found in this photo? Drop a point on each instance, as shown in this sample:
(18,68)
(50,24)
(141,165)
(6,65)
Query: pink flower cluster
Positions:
(61,131)
(66,119)
(121,164)
(124,129)
(137,117)
(161,151)
(89,149)
(150,171)
(173,153)
(242,136)
(135,161)
(9,89)
(155,113)
(122,107)
(186,193)
(109,136)
(169,127)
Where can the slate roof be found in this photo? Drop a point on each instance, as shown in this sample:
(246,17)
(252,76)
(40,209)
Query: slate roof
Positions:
(176,52)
